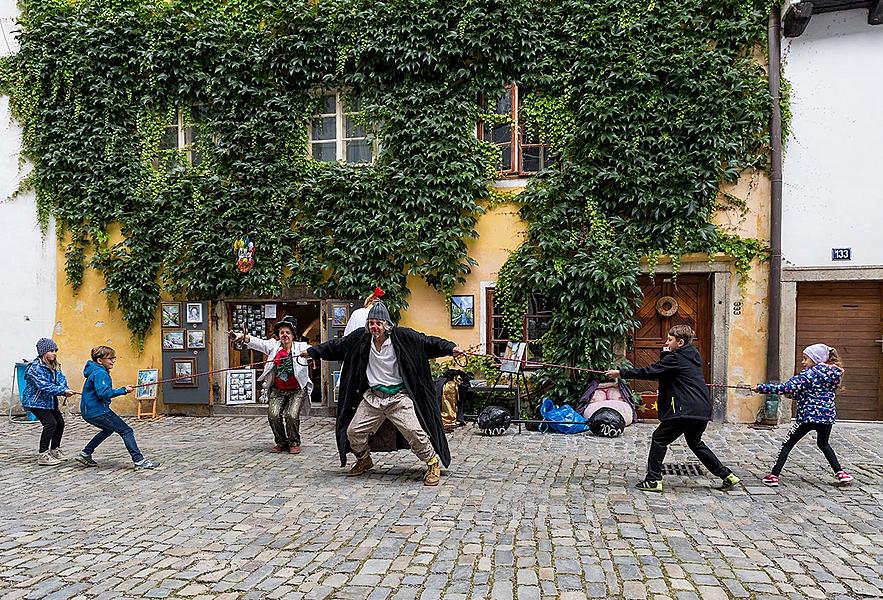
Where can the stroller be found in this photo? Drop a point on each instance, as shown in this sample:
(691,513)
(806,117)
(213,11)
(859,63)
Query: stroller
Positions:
(609,407)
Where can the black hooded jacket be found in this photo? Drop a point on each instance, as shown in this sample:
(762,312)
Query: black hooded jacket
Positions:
(682,390)
(413,351)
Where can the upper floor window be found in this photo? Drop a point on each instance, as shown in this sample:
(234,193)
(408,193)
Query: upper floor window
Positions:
(336,134)
(521,150)
(182,133)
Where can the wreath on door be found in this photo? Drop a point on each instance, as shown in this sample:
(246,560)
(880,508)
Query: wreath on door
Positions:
(666,306)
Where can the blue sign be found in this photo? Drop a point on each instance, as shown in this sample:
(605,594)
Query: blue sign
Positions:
(841,253)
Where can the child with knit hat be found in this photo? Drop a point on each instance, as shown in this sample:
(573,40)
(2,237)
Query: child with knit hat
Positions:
(813,390)
(44,384)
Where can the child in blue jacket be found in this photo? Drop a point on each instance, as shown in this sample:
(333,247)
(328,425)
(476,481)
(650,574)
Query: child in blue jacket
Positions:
(98,391)
(44,383)
(813,390)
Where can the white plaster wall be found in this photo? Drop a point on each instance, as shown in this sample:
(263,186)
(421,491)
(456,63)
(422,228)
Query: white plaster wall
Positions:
(833,173)
(27,301)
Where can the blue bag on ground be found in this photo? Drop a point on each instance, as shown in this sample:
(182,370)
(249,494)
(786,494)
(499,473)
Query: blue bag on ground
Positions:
(550,412)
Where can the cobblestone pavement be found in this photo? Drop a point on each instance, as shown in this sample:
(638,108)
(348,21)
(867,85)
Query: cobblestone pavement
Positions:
(522,516)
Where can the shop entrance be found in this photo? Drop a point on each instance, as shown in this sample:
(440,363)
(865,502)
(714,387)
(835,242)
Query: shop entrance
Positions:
(257,319)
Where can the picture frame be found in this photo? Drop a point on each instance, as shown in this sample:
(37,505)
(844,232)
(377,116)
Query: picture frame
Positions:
(170,314)
(340,314)
(194,312)
(241,384)
(512,359)
(463,310)
(173,340)
(196,339)
(144,391)
(184,373)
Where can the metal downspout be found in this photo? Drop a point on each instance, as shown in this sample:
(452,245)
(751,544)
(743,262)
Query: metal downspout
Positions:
(774,303)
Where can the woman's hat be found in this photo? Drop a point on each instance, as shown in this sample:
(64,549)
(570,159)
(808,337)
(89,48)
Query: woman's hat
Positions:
(818,353)
(286,321)
(45,345)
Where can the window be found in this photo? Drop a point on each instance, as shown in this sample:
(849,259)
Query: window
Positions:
(521,151)
(535,323)
(182,134)
(335,134)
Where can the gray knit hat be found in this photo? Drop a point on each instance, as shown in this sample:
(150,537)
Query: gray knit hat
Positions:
(45,345)
(380,312)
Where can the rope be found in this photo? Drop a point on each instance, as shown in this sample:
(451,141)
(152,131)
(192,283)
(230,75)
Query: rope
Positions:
(584,370)
(213,371)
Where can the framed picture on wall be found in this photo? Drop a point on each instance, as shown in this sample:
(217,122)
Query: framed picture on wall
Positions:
(173,339)
(170,314)
(194,312)
(184,372)
(195,339)
(145,391)
(240,386)
(340,313)
(463,311)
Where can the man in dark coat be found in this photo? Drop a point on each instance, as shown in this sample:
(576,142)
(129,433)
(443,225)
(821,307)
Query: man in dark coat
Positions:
(684,407)
(386,376)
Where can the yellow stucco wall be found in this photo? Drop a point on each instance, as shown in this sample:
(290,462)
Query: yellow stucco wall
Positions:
(746,358)
(500,232)
(84,320)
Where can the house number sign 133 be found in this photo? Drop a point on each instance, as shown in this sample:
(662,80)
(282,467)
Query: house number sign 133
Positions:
(841,253)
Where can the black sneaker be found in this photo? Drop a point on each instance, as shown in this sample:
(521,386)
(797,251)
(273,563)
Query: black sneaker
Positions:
(85,460)
(648,485)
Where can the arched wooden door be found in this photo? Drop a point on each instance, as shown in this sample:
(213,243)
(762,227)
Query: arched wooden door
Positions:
(657,314)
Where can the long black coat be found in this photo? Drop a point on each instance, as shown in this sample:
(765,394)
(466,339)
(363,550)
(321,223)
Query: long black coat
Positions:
(413,351)
(682,390)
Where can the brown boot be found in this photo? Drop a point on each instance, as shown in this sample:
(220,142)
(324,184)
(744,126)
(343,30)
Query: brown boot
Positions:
(433,473)
(362,465)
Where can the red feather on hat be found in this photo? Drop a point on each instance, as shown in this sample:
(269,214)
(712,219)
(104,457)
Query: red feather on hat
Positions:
(378,293)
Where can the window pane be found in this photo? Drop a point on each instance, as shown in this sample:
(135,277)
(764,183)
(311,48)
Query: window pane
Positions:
(195,158)
(169,139)
(499,348)
(530,159)
(353,129)
(324,128)
(358,152)
(536,327)
(190,135)
(353,104)
(327,105)
(325,152)
(507,158)
(504,103)
(502,134)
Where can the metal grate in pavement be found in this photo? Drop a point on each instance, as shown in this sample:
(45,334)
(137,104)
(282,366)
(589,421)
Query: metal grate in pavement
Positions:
(682,469)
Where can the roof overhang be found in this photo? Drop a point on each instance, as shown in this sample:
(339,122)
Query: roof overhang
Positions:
(796,15)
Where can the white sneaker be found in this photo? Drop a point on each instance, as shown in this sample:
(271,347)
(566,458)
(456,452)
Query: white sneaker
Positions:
(47,460)
(58,453)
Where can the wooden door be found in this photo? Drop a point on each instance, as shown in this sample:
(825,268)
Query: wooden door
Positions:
(847,316)
(657,314)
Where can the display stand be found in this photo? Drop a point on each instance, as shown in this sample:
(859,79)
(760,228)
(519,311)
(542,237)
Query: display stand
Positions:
(513,365)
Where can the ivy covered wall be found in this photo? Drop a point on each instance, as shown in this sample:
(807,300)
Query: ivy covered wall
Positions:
(651,107)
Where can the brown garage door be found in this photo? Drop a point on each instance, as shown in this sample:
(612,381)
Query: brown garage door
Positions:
(848,316)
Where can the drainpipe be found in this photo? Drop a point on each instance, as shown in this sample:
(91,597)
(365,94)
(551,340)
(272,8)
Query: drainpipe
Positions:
(774,51)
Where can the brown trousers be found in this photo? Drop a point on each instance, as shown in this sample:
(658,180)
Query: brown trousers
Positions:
(399,409)
(284,415)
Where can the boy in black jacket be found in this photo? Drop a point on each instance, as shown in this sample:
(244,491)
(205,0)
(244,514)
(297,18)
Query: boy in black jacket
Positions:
(684,407)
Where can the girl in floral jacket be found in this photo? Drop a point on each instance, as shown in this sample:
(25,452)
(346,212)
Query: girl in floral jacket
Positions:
(813,390)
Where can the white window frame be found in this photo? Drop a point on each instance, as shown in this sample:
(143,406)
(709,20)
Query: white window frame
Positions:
(340,139)
(182,146)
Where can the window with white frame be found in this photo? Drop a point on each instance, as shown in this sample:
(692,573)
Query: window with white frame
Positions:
(182,133)
(521,150)
(336,133)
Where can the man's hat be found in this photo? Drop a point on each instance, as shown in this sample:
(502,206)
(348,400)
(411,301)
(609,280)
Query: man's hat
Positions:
(286,321)
(380,312)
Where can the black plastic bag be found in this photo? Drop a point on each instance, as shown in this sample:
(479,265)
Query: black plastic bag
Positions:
(494,420)
(607,422)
